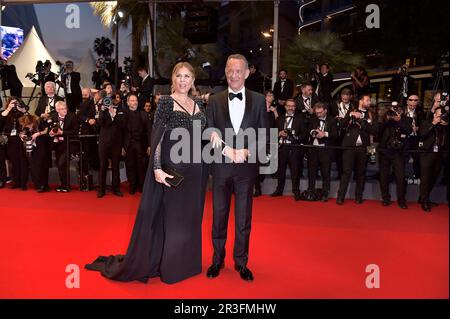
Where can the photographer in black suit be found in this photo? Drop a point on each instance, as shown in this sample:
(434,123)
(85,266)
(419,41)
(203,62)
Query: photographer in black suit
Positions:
(305,101)
(72,88)
(111,121)
(290,132)
(360,124)
(101,74)
(145,90)
(322,132)
(325,83)
(137,133)
(394,131)
(63,125)
(402,85)
(433,134)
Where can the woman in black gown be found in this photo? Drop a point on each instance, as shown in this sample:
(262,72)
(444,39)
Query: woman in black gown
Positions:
(166,238)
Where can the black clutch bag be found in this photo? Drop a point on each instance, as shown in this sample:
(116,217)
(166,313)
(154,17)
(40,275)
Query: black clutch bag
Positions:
(177,177)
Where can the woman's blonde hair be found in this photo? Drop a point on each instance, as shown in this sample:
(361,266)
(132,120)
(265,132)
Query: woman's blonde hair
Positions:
(177,67)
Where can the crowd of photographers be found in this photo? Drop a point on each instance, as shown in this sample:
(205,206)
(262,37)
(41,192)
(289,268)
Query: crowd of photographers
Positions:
(315,131)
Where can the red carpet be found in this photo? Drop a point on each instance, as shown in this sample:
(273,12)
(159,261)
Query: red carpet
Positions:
(297,249)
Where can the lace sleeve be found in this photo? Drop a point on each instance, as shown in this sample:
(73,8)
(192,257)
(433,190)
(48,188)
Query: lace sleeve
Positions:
(165,106)
(157,157)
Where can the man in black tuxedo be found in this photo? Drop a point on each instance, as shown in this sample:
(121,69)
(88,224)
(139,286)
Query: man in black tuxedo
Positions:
(290,131)
(47,101)
(236,110)
(306,100)
(64,124)
(72,88)
(402,85)
(322,131)
(146,88)
(136,143)
(111,121)
(283,89)
(339,110)
(359,124)
(325,84)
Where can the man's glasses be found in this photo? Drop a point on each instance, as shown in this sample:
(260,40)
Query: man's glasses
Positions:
(413,100)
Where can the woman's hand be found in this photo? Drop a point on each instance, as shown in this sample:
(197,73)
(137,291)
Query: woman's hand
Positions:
(216,140)
(160,176)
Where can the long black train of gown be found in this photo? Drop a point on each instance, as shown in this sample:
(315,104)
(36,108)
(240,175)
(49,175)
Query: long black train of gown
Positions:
(166,237)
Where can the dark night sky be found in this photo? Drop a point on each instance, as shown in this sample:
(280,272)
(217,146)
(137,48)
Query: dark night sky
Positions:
(64,43)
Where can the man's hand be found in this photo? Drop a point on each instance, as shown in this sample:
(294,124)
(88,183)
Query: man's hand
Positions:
(92,122)
(282,133)
(123,152)
(356,114)
(148,151)
(160,177)
(320,134)
(237,156)
(436,119)
(112,111)
(45,116)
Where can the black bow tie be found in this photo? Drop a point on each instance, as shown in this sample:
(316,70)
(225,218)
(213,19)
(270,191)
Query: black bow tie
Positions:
(231,96)
(289,116)
(61,119)
(283,80)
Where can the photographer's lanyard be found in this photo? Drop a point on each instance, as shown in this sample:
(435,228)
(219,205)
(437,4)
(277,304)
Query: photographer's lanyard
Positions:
(49,107)
(14,130)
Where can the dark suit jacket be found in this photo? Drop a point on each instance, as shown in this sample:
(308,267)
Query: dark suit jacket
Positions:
(325,87)
(333,110)
(11,80)
(300,104)
(298,125)
(111,131)
(364,129)
(428,132)
(70,127)
(330,127)
(255,116)
(145,134)
(288,90)
(74,83)
(85,113)
(43,102)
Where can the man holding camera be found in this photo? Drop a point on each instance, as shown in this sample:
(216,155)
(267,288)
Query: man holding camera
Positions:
(394,131)
(72,88)
(360,124)
(111,121)
(323,132)
(63,124)
(290,132)
(138,129)
(433,134)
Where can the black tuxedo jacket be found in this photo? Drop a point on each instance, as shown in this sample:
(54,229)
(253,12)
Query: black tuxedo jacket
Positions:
(300,104)
(255,116)
(111,131)
(330,127)
(429,134)
(288,90)
(85,113)
(298,125)
(334,108)
(43,102)
(364,129)
(145,134)
(70,127)
(145,91)
(74,83)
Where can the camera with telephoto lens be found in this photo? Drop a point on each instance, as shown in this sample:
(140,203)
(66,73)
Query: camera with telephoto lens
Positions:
(106,100)
(27,138)
(354,120)
(394,110)
(372,152)
(55,127)
(290,138)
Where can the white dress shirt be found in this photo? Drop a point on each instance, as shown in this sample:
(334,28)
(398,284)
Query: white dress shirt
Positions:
(68,83)
(236,109)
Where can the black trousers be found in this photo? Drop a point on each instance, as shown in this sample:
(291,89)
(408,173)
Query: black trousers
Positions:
(135,164)
(292,156)
(62,161)
(223,187)
(39,162)
(430,167)
(392,162)
(2,163)
(106,152)
(353,161)
(73,102)
(412,143)
(19,161)
(319,159)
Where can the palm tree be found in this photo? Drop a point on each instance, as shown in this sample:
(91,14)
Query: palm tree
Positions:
(310,48)
(103,47)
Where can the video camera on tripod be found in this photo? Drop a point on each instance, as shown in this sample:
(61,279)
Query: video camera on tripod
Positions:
(40,69)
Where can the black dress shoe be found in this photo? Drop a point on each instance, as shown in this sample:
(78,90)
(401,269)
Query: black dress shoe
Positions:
(118,193)
(277,193)
(431,204)
(386,202)
(358,200)
(24,187)
(426,207)
(402,205)
(340,201)
(324,197)
(297,196)
(214,270)
(43,189)
(132,191)
(245,273)
(257,192)
(100,194)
